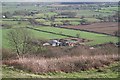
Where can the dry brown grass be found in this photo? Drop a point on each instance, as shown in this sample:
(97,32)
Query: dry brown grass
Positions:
(8,54)
(66,60)
(65,64)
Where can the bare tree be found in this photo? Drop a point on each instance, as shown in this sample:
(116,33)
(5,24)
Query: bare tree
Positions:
(19,40)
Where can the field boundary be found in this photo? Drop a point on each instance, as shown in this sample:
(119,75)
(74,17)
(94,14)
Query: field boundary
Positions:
(51,32)
(87,31)
(68,28)
(75,29)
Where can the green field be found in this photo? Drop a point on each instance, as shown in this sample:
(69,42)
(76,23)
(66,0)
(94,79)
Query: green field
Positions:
(16,24)
(35,34)
(109,10)
(68,19)
(74,23)
(92,20)
(40,20)
(20,16)
(13,7)
(97,38)
(45,15)
(90,13)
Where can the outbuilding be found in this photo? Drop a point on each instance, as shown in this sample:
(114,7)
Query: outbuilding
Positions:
(3,16)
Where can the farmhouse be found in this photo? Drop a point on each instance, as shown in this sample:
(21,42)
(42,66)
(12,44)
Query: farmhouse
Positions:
(55,43)
(62,42)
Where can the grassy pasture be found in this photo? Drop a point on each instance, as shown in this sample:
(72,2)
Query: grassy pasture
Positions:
(90,13)
(12,8)
(20,16)
(41,20)
(74,23)
(109,9)
(10,22)
(51,14)
(58,22)
(45,15)
(68,19)
(92,19)
(48,23)
(16,23)
(5,43)
(105,11)
(97,38)
(36,34)
(43,35)
(40,15)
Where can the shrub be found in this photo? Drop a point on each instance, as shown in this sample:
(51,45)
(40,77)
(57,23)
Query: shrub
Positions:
(8,54)
(66,59)
(65,64)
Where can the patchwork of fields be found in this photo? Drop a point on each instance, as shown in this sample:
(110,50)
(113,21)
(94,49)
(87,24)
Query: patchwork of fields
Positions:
(59,39)
(36,34)
(105,27)
(96,38)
